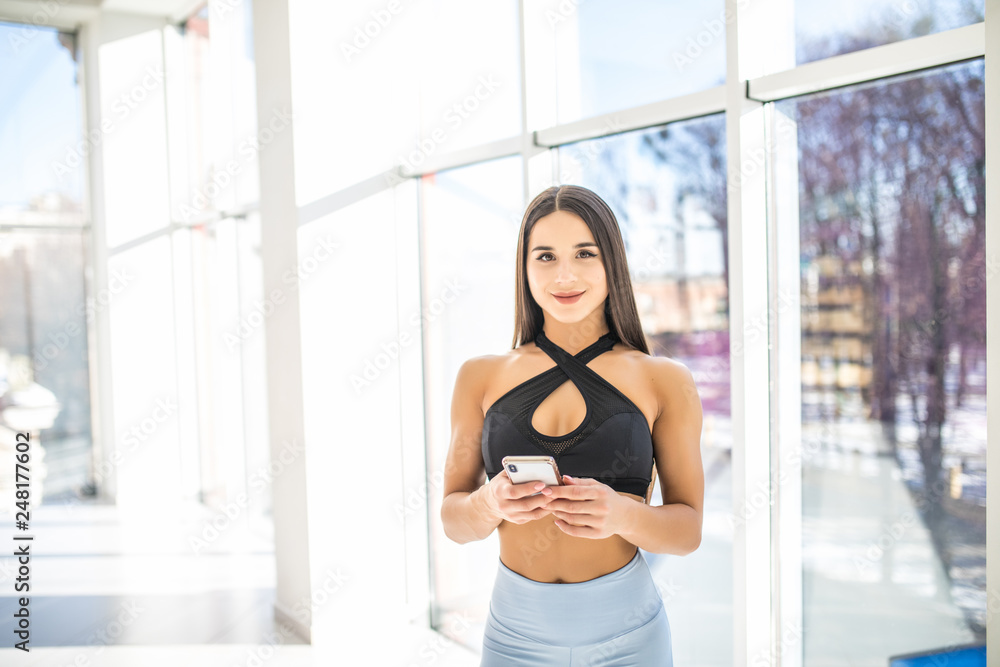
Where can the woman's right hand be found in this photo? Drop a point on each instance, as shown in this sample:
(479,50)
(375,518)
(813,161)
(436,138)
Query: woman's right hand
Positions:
(515,502)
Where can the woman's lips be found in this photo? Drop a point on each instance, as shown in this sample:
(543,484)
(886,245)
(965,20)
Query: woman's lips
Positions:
(568,299)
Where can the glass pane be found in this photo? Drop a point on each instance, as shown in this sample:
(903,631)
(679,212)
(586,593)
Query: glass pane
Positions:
(824,29)
(616,55)
(667,187)
(144,440)
(253,307)
(228,313)
(44,364)
(42,155)
(220,328)
(214,138)
(470,221)
(355,91)
(247,134)
(474,98)
(191,158)
(893,275)
(133,100)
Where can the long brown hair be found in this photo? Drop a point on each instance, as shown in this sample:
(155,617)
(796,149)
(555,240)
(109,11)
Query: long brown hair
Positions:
(620,311)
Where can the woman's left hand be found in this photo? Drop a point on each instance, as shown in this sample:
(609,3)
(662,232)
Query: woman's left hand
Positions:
(585,507)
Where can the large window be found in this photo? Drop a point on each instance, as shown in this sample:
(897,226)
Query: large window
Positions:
(824,29)
(475,95)
(215,142)
(667,186)
(45,312)
(214,170)
(188,420)
(847,177)
(44,361)
(43,155)
(893,274)
(468,240)
(880,536)
(616,55)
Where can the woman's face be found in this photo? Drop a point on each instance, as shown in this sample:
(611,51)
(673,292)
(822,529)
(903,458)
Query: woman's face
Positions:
(563,258)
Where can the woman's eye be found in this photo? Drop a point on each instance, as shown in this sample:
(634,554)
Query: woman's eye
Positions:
(585,253)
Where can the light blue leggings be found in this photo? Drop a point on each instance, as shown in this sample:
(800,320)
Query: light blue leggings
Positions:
(615,620)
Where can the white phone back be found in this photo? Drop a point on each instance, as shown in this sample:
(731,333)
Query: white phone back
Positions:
(533,472)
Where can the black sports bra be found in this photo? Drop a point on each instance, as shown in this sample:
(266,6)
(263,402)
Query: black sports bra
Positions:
(612,445)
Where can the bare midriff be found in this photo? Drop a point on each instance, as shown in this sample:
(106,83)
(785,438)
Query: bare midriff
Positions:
(541,551)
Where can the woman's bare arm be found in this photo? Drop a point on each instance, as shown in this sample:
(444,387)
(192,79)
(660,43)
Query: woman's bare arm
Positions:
(465,512)
(675,526)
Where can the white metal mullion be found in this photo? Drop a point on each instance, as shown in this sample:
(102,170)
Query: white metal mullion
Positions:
(760,39)
(748,351)
(347,196)
(481,153)
(662,112)
(210,217)
(181,278)
(282,328)
(421,597)
(901,57)
(539,91)
(785,334)
(102,409)
(992,76)
(910,55)
(13,227)
(523,141)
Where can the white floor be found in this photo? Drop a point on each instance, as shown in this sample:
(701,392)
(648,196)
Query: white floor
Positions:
(111,590)
(873,582)
(117,590)
(405,650)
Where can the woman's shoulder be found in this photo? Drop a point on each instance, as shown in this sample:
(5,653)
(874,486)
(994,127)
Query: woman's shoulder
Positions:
(672,380)
(488,364)
(654,363)
(660,363)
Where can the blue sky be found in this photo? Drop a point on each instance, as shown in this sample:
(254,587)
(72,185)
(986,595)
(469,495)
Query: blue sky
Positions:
(39,115)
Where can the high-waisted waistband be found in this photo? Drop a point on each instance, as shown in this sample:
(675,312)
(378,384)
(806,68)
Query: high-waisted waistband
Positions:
(570,614)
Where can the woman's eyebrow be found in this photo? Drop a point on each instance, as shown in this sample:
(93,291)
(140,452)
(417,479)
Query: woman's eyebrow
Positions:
(578,245)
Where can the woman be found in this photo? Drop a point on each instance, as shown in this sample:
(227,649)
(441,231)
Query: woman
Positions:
(572,587)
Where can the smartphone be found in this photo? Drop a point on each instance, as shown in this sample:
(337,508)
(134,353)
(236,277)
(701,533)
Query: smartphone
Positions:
(523,469)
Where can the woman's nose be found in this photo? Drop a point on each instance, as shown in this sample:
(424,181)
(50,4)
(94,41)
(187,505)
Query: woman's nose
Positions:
(565,272)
